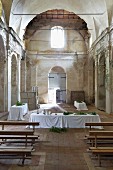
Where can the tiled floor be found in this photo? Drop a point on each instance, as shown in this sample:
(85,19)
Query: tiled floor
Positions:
(61,151)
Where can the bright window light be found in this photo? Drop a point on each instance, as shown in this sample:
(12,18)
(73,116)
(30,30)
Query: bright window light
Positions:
(57,37)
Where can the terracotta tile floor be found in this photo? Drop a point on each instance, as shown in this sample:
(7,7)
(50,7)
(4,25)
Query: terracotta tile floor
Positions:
(61,151)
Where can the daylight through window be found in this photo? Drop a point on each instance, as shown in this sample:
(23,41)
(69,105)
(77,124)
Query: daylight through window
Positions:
(57,37)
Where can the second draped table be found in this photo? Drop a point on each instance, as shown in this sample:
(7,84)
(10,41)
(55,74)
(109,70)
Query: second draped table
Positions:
(80,106)
(17,112)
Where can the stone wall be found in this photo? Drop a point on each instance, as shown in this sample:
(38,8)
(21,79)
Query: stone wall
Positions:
(101,53)
(72,58)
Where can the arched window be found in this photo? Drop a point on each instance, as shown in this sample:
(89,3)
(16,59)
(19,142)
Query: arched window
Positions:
(57,37)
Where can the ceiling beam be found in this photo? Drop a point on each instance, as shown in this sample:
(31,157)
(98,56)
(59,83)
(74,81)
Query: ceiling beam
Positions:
(58,14)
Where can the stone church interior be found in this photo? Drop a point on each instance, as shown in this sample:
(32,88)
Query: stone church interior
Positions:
(57,54)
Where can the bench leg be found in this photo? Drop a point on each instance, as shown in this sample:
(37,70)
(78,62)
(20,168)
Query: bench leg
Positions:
(33,142)
(99,160)
(23,160)
(92,143)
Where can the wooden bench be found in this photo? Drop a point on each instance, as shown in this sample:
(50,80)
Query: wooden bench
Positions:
(30,139)
(100,139)
(106,151)
(100,152)
(16,153)
(97,134)
(10,133)
(19,123)
(96,124)
(101,124)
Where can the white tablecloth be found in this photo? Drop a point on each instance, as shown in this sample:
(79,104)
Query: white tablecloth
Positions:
(17,112)
(60,120)
(80,106)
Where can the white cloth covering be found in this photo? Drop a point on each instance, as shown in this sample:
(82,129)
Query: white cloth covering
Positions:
(80,106)
(17,112)
(60,120)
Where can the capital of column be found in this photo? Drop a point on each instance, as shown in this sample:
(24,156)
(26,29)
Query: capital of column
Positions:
(9,52)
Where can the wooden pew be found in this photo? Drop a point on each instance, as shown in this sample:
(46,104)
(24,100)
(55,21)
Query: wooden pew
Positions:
(106,151)
(100,140)
(98,124)
(19,123)
(102,152)
(101,133)
(6,134)
(101,124)
(16,153)
(21,139)
(32,138)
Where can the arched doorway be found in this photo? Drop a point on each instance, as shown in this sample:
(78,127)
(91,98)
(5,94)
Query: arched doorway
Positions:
(14,82)
(57,85)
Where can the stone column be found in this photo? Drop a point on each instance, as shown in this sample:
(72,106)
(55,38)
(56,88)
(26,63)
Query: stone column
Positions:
(23,75)
(33,73)
(9,77)
(90,80)
(96,81)
(5,85)
(108,81)
(18,77)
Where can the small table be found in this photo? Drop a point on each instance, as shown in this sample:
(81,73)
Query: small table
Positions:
(17,112)
(80,106)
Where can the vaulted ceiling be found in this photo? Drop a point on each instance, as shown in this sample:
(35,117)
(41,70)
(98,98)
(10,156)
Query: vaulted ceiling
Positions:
(67,20)
(96,14)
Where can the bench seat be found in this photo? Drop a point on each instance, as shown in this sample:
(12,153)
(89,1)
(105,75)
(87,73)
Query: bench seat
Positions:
(18,137)
(100,151)
(100,147)
(30,139)
(101,125)
(106,151)
(19,123)
(16,153)
(13,133)
(99,139)
(97,134)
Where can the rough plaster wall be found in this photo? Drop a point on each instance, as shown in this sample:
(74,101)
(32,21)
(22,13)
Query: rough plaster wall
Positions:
(73,66)
(103,93)
(41,42)
(33,75)
(28,76)
(42,76)
(91,79)
(23,76)
(75,77)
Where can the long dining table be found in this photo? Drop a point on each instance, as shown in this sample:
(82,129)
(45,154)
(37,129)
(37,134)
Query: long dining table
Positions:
(60,120)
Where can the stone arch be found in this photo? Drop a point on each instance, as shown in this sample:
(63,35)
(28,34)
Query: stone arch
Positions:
(57,69)
(14,82)
(57,85)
